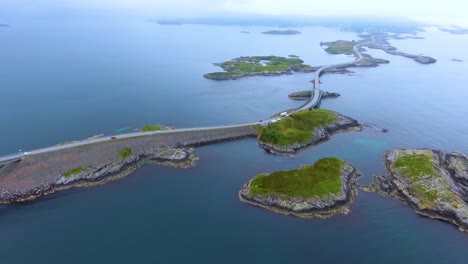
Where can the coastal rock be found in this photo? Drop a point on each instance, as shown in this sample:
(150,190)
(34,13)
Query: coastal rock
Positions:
(384,45)
(316,206)
(434,184)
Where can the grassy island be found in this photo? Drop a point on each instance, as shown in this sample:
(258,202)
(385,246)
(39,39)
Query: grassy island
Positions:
(322,189)
(296,128)
(340,47)
(148,128)
(319,179)
(432,182)
(258,65)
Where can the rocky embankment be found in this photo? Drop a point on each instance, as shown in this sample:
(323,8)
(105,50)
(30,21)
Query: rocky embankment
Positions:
(319,134)
(433,183)
(307,94)
(316,206)
(384,45)
(42,174)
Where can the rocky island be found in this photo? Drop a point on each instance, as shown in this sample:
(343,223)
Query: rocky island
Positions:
(282,32)
(303,129)
(258,66)
(322,189)
(307,94)
(433,183)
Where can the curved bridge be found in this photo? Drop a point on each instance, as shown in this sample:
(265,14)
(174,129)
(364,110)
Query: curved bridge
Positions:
(313,102)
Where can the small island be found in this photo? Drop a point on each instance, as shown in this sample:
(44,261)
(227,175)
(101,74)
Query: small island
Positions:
(322,189)
(307,94)
(339,46)
(258,66)
(456,30)
(433,183)
(282,32)
(302,129)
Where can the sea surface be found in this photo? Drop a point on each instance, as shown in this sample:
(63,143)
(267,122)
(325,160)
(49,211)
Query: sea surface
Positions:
(70,80)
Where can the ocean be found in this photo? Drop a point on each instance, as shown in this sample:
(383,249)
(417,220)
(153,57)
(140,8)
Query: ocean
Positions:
(75,79)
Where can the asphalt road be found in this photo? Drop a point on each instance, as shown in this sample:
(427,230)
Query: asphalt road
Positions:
(310,104)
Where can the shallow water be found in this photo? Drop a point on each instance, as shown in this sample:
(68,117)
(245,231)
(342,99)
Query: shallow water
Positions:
(67,81)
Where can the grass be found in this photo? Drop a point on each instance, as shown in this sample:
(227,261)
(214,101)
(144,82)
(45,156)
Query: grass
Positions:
(296,128)
(75,171)
(148,128)
(419,169)
(125,153)
(318,179)
(340,47)
(415,166)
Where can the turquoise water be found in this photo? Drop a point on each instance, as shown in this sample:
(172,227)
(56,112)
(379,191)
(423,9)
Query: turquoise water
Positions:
(71,80)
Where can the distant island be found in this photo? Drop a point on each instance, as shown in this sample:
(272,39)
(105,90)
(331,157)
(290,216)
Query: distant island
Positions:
(454,30)
(381,42)
(245,32)
(258,66)
(282,32)
(303,129)
(4,25)
(433,183)
(322,189)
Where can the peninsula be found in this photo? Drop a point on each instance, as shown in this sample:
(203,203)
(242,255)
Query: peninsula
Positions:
(258,66)
(303,129)
(92,164)
(322,189)
(433,183)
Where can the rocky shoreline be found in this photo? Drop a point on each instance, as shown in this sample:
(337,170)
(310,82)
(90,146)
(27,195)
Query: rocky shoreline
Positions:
(319,135)
(322,207)
(384,45)
(44,174)
(443,195)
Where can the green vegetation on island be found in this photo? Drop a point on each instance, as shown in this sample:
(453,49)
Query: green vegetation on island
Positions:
(125,153)
(301,129)
(282,32)
(322,189)
(296,128)
(339,46)
(75,171)
(419,169)
(148,128)
(319,179)
(258,65)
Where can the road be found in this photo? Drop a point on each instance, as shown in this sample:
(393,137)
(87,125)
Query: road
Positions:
(310,104)
(317,95)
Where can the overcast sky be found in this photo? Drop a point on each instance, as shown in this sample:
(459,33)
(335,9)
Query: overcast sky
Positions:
(447,11)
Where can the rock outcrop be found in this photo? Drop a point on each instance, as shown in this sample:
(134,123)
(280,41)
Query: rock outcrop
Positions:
(439,191)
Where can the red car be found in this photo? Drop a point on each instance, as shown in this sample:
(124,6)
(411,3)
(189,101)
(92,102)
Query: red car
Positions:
(113,137)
